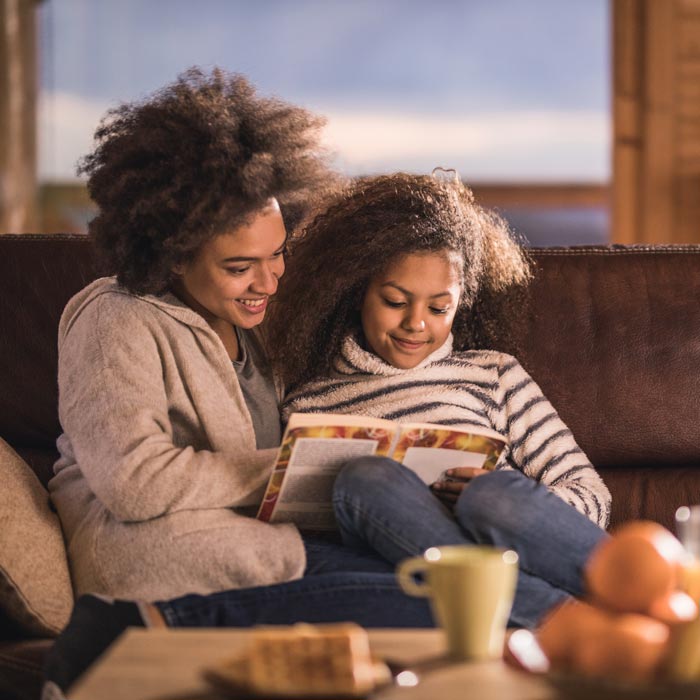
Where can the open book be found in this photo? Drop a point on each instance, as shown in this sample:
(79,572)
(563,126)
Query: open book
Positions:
(315,446)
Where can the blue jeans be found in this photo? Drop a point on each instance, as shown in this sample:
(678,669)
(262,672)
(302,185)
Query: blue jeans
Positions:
(369,599)
(383,509)
(382,505)
(328,554)
(340,584)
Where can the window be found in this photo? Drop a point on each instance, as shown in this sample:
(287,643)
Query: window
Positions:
(513,94)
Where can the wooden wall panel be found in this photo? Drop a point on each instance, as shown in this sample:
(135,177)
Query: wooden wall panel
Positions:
(656,111)
(627,130)
(18,87)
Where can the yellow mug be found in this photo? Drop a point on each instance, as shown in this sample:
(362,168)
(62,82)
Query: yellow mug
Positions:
(471,590)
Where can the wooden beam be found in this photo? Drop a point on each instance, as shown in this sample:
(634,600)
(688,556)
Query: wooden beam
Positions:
(518,194)
(656,161)
(18,99)
(627,57)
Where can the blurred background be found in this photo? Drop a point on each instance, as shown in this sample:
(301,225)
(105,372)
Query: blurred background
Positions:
(545,107)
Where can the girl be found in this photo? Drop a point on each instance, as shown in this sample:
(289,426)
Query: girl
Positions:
(406,268)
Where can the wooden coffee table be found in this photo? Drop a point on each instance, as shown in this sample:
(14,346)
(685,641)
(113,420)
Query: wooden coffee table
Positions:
(165,664)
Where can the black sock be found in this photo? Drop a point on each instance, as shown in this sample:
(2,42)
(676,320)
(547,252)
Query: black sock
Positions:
(93,626)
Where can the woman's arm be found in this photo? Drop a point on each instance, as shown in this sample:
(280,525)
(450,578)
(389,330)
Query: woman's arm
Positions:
(542,446)
(115,409)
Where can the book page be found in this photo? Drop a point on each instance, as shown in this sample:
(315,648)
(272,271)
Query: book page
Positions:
(430,449)
(310,457)
(430,462)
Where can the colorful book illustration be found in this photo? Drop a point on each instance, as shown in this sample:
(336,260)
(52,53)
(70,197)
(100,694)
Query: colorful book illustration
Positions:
(315,447)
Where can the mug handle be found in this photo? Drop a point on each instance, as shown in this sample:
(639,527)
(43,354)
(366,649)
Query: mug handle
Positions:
(405,573)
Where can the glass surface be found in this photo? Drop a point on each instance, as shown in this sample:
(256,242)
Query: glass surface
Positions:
(499,89)
(688,529)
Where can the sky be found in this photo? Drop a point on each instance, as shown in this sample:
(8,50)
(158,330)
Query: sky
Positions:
(499,89)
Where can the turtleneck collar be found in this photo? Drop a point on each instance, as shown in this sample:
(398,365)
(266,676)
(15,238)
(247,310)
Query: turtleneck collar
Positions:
(354,359)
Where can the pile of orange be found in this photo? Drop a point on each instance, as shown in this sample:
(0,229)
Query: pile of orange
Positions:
(636,624)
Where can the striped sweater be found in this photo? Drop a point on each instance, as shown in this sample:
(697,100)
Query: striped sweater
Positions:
(479,388)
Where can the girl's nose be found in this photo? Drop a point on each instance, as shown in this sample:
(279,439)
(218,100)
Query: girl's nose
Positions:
(413,322)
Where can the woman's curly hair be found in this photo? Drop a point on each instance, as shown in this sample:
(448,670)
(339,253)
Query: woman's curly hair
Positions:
(197,158)
(362,229)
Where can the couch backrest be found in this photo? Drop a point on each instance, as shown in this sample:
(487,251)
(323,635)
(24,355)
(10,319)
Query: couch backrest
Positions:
(612,335)
(38,274)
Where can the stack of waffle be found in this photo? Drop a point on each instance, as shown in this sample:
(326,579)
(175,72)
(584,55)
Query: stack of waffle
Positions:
(309,660)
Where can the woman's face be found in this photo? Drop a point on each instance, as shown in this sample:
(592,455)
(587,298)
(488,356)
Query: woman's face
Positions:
(408,309)
(233,276)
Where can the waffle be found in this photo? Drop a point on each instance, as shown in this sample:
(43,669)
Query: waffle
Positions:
(310,660)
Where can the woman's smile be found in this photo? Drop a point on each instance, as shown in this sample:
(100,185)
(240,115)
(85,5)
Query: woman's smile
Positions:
(253,306)
(246,260)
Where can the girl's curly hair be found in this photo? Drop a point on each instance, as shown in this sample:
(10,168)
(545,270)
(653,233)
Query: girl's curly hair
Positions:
(197,158)
(362,229)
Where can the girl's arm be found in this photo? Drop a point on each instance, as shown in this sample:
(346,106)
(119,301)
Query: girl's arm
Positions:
(541,445)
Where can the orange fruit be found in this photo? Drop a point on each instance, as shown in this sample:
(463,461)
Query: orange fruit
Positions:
(636,566)
(674,608)
(565,626)
(627,647)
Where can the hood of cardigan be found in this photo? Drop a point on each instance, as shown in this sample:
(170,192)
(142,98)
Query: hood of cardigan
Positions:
(168,303)
(353,359)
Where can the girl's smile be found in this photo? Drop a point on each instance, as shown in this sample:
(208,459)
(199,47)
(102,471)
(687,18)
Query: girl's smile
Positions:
(408,345)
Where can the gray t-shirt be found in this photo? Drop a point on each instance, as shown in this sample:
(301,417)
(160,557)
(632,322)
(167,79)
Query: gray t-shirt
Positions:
(255,378)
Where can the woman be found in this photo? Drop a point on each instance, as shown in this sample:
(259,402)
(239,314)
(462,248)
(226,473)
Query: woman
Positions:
(169,411)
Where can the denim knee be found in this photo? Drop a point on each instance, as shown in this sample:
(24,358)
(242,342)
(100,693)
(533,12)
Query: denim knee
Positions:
(366,474)
(494,498)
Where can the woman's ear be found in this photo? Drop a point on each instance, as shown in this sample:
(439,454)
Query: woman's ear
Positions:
(178,270)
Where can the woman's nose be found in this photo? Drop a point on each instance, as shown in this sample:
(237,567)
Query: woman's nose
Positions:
(266,280)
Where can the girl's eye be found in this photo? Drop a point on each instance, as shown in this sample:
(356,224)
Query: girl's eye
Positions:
(280,252)
(236,270)
(439,312)
(394,304)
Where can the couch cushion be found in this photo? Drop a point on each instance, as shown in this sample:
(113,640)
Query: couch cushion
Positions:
(21,665)
(35,587)
(41,460)
(646,493)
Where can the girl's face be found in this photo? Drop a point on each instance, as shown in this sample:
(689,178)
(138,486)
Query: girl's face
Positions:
(408,309)
(233,276)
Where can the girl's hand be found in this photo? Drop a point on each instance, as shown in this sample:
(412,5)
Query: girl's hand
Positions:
(457,479)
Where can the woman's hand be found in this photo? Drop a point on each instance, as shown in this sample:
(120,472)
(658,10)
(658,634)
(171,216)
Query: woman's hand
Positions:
(449,489)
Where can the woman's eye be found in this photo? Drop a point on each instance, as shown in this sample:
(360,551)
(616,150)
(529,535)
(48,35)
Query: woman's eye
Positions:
(393,304)
(439,312)
(236,270)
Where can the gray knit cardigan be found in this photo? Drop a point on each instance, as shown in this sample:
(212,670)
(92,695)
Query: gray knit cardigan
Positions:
(475,388)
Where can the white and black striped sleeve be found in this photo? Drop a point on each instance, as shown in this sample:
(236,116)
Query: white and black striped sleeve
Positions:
(541,445)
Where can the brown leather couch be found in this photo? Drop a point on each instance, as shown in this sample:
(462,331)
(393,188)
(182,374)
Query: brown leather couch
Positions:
(611,334)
